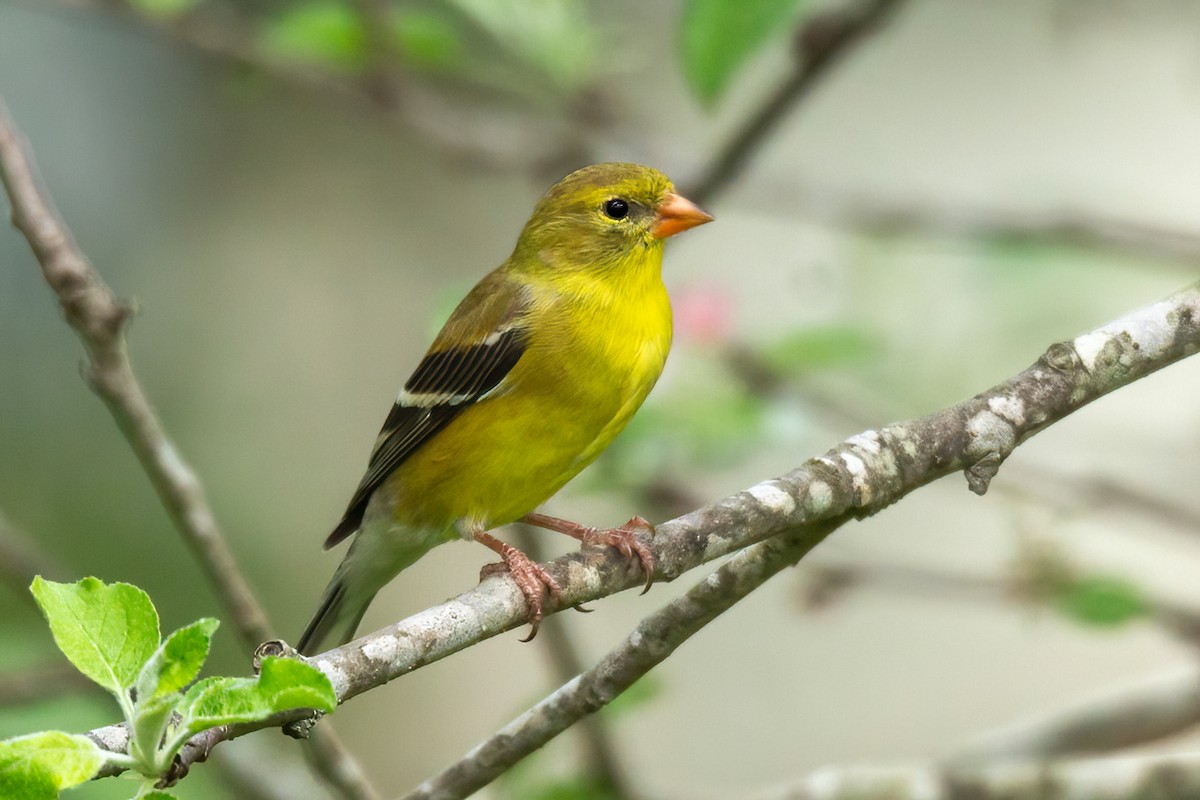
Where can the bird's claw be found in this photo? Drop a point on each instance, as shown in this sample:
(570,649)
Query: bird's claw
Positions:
(531,578)
(625,540)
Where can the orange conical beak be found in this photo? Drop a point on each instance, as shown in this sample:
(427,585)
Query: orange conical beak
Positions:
(675,214)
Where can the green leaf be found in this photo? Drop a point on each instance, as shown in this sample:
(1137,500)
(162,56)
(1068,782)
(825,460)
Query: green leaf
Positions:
(718,36)
(324,32)
(157,794)
(173,666)
(107,631)
(284,684)
(149,726)
(38,766)
(164,9)
(177,661)
(1103,601)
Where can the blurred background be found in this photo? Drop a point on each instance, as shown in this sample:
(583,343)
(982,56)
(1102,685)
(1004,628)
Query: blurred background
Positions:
(296,194)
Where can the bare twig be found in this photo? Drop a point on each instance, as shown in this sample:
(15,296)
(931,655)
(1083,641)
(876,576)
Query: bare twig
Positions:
(1162,777)
(1099,493)
(655,638)
(486,136)
(861,476)
(257,772)
(603,762)
(1175,247)
(21,560)
(383,81)
(820,44)
(231,39)
(98,317)
(341,771)
(1139,713)
(1036,580)
(42,682)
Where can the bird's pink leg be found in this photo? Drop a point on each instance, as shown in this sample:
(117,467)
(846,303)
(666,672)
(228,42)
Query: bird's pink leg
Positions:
(532,579)
(622,538)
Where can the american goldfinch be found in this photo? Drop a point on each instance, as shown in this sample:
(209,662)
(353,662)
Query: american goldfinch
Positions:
(537,370)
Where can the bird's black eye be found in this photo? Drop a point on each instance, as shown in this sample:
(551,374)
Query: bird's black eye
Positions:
(616,208)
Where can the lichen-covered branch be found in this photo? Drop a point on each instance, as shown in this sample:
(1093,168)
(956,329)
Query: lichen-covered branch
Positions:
(991,432)
(557,640)
(655,638)
(859,477)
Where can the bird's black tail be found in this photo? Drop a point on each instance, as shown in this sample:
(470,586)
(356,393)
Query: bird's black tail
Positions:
(335,614)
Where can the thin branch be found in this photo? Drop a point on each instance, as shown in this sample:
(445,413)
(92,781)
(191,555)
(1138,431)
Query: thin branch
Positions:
(21,560)
(257,770)
(861,476)
(655,638)
(1172,246)
(1142,713)
(340,770)
(1098,493)
(603,762)
(1139,713)
(1162,777)
(230,39)
(383,81)
(1038,580)
(98,317)
(821,44)
(42,682)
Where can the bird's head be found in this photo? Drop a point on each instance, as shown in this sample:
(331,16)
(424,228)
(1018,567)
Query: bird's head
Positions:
(597,216)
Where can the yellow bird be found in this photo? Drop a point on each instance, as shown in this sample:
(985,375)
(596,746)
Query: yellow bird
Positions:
(539,367)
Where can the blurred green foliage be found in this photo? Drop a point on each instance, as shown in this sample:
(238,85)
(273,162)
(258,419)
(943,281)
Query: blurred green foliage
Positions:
(504,44)
(164,8)
(1102,601)
(717,38)
(328,33)
(523,47)
(722,417)
(429,40)
(819,347)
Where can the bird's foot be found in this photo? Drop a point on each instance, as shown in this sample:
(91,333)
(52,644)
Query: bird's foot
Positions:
(623,538)
(531,578)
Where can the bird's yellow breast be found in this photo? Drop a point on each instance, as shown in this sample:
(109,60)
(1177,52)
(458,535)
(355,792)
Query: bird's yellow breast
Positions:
(594,354)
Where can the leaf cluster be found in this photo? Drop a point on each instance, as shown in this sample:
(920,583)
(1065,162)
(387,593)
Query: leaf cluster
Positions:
(110,632)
